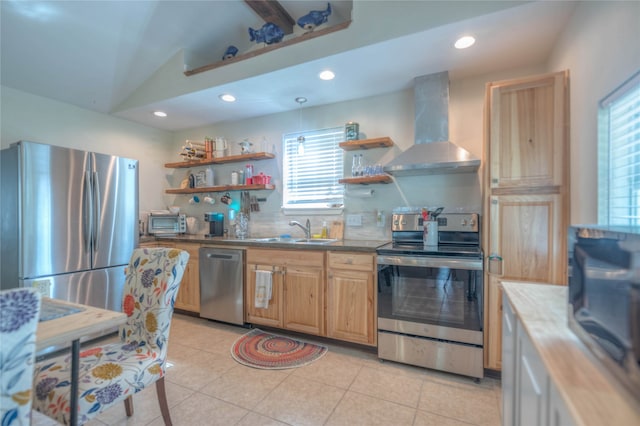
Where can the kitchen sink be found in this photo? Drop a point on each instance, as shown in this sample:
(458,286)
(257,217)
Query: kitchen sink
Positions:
(273,240)
(315,241)
(293,240)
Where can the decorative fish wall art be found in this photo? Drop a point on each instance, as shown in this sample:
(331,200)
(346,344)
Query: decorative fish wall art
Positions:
(230,52)
(314,18)
(269,33)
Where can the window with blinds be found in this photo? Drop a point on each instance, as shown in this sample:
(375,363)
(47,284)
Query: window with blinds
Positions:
(312,169)
(619,155)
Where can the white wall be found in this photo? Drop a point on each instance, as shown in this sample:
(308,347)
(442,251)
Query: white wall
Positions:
(601,49)
(386,115)
(28,117)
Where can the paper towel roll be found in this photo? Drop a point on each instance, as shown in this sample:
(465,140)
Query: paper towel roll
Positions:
(360,193)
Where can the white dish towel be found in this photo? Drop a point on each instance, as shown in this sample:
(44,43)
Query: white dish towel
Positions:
(264,280)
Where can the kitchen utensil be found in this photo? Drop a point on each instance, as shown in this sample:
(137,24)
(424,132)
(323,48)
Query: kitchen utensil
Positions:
(434,214)
(209,200)
(226,198)
(194,200)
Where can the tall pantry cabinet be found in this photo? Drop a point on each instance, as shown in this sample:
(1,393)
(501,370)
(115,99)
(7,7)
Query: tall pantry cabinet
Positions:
(526,196)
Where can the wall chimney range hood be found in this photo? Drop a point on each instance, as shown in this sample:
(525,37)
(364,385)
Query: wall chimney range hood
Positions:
(432,152)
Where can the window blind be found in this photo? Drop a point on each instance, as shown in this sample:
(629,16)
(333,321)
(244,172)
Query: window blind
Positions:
(312,169)
(619,156)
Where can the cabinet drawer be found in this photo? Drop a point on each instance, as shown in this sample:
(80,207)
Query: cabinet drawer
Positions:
(285,257)
(191,248)
(353,261)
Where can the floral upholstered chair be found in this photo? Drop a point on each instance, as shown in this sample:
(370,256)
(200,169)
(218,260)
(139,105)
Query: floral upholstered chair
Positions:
(19,314)
(114,372)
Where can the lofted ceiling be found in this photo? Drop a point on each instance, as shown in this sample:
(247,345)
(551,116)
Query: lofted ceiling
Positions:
(127,58)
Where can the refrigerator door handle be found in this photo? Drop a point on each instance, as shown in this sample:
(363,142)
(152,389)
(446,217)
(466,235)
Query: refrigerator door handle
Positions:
(87,213)
(96,210)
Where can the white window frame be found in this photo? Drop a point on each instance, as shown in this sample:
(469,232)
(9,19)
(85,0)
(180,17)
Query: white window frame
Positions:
(619,155)
(322,158)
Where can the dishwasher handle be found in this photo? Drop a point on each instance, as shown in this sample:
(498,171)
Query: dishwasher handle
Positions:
(220,256)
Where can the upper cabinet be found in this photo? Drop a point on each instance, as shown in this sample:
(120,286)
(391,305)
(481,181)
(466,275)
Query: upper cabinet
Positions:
(528,130)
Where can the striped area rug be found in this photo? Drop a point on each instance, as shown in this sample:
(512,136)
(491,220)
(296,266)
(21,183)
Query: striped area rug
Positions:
(259,349)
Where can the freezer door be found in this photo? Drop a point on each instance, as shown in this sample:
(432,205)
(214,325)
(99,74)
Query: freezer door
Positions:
(101,288)
(114,183)
(52,189)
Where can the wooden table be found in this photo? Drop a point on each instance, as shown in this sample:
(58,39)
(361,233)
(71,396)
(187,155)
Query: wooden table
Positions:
(71,328)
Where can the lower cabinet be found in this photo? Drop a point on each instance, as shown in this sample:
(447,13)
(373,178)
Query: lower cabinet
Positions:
(297,295)
(188,297)
(342,307)
(351,304)
(529,396)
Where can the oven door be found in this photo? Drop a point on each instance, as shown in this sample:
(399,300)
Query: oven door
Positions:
(436,297)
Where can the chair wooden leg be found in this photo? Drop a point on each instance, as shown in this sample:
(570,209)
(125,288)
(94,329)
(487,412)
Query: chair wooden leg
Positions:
(128,406)
(162,399)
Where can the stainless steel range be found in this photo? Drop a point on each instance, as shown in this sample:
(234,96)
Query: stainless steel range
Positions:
(430,298)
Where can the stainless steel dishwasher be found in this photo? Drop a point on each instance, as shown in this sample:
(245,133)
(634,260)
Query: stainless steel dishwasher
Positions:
(222,285)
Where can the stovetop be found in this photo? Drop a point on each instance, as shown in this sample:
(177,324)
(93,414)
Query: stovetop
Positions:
(418,249)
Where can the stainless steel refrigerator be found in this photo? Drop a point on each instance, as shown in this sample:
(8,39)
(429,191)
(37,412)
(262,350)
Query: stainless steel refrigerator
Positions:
(69,222)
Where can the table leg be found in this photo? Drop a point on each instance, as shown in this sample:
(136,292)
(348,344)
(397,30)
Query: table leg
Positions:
(75,367)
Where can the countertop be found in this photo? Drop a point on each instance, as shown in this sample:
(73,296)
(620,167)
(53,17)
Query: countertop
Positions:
(589,392)
(341,245)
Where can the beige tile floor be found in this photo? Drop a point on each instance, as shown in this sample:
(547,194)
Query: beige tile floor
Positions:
(348,386)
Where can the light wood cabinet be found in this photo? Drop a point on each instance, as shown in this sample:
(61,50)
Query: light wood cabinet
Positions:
(188,297)
(526,194)
(351,305)
(297,299)
(528,232)
(303,307)
(527,132)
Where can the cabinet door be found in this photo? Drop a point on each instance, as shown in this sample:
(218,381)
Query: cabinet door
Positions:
(528,132)
(188,297)
(509,343)
(350,306)
(532,390)
(304,299)
(272,315)
(527,231)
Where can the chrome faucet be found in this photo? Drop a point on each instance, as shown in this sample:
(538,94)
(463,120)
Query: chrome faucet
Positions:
(306,229)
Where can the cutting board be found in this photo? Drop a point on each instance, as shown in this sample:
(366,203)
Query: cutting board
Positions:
(337,229)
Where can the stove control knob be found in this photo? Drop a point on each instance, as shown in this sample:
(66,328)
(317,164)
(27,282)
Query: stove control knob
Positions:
(472,222)
(464,222)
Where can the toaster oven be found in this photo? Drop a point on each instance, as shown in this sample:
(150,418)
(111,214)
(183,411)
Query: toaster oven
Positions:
(166,224)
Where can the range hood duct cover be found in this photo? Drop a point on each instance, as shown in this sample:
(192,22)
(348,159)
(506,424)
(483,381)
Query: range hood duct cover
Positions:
(432,152)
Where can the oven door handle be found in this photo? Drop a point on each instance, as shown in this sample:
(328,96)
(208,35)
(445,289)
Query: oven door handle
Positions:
(431,262)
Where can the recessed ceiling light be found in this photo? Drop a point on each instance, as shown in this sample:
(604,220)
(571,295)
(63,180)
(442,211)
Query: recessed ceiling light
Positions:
(327,75)
(227,97)
(160,113)
(464,42)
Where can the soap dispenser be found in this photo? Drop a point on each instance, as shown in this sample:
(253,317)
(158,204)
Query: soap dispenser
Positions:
(325,232)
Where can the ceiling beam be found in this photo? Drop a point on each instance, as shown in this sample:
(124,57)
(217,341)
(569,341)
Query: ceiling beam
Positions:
(272,11)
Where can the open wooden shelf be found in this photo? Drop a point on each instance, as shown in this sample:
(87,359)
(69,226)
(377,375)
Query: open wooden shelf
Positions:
(366,144)
(366,180)
(220,188)
(254,156)
(269,48)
